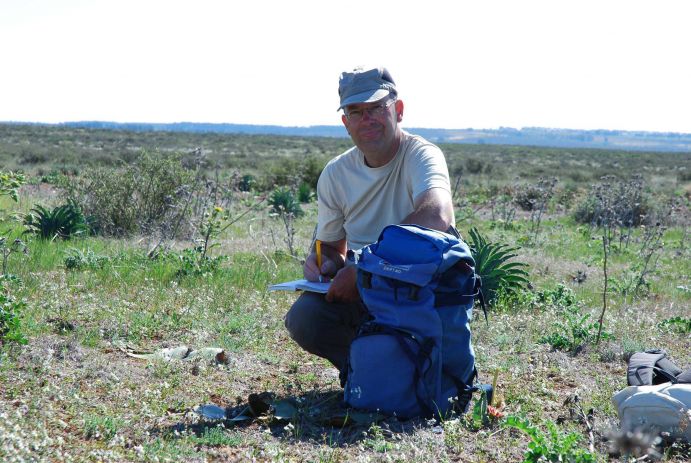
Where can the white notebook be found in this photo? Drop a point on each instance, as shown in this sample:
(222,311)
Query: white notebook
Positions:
(301,285)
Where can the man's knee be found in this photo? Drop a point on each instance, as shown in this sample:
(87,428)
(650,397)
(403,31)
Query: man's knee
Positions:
(302,320)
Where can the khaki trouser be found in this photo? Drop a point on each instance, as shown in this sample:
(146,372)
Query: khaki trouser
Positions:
(323,328)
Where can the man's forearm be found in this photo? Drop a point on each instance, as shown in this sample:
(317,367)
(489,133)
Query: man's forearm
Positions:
(433,209)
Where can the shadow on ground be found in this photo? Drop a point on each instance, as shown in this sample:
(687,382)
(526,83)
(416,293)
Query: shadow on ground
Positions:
(314,417)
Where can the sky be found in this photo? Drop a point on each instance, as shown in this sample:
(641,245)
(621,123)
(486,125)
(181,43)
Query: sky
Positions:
(605,64)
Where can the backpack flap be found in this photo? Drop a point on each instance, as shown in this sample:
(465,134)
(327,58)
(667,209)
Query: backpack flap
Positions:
(416,274)
(405,244)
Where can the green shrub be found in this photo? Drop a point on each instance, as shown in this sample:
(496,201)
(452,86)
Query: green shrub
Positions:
(493,266)
(477,166)
(527,196)
(138,197)
(283,201)
(65,221)
(622,202)
(291,172)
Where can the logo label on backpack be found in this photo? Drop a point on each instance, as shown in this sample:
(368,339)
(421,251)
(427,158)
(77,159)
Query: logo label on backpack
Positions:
(387,267)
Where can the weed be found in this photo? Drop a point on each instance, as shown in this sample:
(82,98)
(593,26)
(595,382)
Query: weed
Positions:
(135,197)
(10,183)
(650,253)
(376,440)
(553,446)
(101,427)
(545,190)
(195,262)
(10,323)
(480,416)
(18,246)
(678,325)
(560,296)
(247,182)
(573,331)
(615,201)
(77,259)
(502,210)
(216,437)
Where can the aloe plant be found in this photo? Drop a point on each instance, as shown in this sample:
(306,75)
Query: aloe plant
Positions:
(493,263)
(63,221)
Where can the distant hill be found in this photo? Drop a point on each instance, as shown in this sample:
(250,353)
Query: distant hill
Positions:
(534,136)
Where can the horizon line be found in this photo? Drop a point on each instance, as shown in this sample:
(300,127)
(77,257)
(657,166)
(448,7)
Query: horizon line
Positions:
(91,121)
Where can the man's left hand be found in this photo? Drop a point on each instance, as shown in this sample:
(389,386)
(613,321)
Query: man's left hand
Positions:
(344,286)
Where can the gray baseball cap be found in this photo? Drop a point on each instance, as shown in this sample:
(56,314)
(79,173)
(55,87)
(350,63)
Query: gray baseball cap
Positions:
(365,86)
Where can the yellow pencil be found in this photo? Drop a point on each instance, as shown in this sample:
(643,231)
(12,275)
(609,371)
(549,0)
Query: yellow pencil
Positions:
(318,246)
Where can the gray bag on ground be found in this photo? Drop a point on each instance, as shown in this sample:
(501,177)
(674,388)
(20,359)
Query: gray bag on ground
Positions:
(658,399)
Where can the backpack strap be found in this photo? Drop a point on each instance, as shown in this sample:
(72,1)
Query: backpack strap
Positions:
(684,377)
(481,296)
(418,360)
(651,367)
(465,391)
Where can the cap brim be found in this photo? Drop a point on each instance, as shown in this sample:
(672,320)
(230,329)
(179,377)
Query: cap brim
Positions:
(365,97)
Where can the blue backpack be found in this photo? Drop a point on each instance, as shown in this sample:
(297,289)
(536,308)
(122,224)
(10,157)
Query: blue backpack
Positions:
(414,357)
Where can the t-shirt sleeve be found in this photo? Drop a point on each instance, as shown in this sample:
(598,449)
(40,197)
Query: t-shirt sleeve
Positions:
(428,168)
(330,217)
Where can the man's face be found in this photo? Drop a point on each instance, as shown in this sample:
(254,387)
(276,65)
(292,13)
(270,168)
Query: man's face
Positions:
(374,126)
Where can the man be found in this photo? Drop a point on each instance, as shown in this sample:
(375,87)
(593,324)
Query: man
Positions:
(388,177)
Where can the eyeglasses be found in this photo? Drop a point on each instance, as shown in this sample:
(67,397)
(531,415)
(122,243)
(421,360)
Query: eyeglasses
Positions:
(377,111)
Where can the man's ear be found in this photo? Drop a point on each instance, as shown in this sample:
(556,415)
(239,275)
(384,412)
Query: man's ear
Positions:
(399,110)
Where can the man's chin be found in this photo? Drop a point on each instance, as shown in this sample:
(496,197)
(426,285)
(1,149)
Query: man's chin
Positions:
(371,138)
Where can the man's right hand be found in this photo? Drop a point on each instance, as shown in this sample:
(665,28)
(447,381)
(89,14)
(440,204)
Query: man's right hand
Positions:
(333,259)
(312,272)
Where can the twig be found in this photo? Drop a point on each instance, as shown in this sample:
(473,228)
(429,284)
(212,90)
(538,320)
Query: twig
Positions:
(589,427)
(604,291)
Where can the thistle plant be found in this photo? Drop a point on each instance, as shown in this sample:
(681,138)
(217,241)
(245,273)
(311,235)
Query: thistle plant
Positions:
(552,446)
(10,183)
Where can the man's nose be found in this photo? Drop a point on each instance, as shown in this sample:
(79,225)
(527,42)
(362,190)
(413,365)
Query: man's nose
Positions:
(366,114)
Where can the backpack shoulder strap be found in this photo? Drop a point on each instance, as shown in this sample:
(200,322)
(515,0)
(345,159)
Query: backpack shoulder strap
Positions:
(684,377)
(645,368)
(640,369)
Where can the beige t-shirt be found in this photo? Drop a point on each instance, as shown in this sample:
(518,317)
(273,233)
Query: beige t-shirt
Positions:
(356,201)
